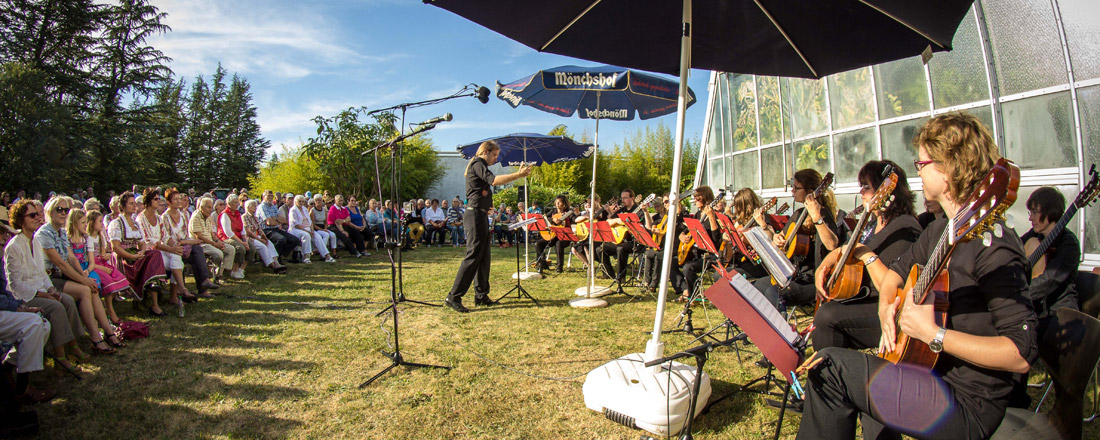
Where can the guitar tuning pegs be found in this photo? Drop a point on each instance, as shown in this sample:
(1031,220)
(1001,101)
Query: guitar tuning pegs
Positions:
(987,238)
(998,231)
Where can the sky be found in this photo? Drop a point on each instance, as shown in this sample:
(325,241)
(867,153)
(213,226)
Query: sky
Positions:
(305,59)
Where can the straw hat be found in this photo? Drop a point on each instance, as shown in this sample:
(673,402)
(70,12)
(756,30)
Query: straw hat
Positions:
(4,222)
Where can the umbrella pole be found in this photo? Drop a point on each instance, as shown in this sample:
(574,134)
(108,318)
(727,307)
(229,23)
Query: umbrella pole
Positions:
(655,348)
(588,301)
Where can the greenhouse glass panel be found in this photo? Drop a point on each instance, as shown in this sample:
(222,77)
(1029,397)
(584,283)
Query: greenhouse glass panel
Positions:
(1027,50)
(767,91)
(1083,36)
(850,98)
(1089,101)
(958,77)
(743,116)
(807,106)
(745,168)
(851,150)
(771,161)
(897,142)
(1039,131)
(812,153)
(901,88)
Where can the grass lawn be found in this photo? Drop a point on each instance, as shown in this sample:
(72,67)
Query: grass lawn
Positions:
(282,357)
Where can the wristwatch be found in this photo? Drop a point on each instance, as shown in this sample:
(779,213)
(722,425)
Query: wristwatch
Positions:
(870,260)
(936,345)
(820,221)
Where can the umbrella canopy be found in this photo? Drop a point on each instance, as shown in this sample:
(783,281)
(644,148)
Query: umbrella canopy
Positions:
(533,148)
(809,39)
(569,90)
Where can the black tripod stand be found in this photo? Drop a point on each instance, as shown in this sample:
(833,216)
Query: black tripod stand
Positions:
(393,247)
(518,289)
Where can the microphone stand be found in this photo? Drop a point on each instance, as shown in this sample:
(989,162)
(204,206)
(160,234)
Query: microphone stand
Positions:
(394,246)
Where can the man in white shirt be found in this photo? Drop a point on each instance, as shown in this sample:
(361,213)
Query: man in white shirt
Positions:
(302,227)
(435,222)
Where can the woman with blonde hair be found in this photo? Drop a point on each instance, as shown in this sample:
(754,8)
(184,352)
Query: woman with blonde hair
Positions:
(479,193)
(98,251)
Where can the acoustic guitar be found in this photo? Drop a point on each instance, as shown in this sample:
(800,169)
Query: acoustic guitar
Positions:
(548,235)
(1036,250)
(619,230)
(845,279)
(798,240)
(685,247)
(985,208)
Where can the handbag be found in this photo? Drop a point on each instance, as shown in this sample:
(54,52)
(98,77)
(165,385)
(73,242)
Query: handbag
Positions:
(133,330)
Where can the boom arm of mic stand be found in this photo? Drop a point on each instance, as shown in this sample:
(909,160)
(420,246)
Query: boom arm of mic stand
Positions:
(694,351)
(399,139)
(426,102)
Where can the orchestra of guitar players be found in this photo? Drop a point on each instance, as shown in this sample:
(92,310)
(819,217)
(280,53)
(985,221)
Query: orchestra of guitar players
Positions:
(939,311)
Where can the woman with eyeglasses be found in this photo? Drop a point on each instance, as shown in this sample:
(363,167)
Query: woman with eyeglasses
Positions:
(826,234)
(890,233)
(63,267)
(747,207)
(24,267)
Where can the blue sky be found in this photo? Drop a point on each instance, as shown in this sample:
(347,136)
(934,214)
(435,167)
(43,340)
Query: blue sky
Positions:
(305,59)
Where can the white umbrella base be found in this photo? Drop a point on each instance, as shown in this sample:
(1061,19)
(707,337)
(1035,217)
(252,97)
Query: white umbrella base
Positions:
(587,303)
(527,276)
(597,291)
(628,392)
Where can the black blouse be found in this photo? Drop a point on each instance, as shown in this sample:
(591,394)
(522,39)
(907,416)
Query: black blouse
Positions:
(988,297)
(893,241)
(1056,287)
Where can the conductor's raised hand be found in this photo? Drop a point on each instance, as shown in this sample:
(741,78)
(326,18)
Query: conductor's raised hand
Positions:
(525,170)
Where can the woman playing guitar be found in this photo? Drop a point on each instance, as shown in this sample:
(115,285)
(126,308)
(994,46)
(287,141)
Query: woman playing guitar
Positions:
(693,266)
(854,323)
(992,326)
(747,207)
(560,216)
(1056,286)
(825,235)
(580,248)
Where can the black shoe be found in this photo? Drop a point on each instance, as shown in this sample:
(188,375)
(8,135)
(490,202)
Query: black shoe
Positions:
(456,305)
(763,362)
(484,301)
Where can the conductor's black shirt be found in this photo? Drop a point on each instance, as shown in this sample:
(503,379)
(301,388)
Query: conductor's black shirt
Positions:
(479,184)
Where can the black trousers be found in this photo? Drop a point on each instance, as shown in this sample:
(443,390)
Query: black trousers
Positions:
(283,241)
(559,250)
(475,266)
(353,240)
(432,232)
(799,292)
(651,268)
(907,399)
(621,252)
(197,260)
(691,270)
(852,324)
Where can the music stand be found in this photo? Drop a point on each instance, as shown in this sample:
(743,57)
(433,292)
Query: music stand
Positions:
(778,342)
(539,225)
(780,221)
(518,288)
(602,232)
(641,236)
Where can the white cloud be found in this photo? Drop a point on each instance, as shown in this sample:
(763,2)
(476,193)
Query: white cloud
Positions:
(252,37)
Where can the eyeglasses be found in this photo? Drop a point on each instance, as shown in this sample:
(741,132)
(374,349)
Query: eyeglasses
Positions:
(61,210)
(32,214)
(919,164)
(865,188)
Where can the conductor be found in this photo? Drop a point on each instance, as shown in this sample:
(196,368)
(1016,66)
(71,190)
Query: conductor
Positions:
(479,193)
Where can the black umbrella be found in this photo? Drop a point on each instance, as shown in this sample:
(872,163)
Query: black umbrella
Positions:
(801,38)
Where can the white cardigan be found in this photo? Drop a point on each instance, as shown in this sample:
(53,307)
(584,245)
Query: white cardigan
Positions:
(25,266)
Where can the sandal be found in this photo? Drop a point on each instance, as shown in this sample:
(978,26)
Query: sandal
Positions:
(107,347)
(161,313)
(114,340)
(79,359)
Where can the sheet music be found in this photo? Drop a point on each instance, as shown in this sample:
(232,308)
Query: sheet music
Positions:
(764,308)
(774,260)
(521,224)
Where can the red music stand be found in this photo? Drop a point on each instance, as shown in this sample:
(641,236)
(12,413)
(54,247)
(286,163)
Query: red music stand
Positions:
(765,326)
(634,224)
(780,221)
(601,231)
(564,234)
(702,238)
(539,225)
(726,224)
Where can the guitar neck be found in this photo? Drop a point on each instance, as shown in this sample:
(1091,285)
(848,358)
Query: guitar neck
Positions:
(935,265)
(1054,232)
(835,276)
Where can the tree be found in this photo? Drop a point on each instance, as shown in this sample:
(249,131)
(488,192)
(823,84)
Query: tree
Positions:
(292,171)
(344,146)
(33,130)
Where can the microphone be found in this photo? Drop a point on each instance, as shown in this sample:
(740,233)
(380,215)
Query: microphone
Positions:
(436,120)
(483,94)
